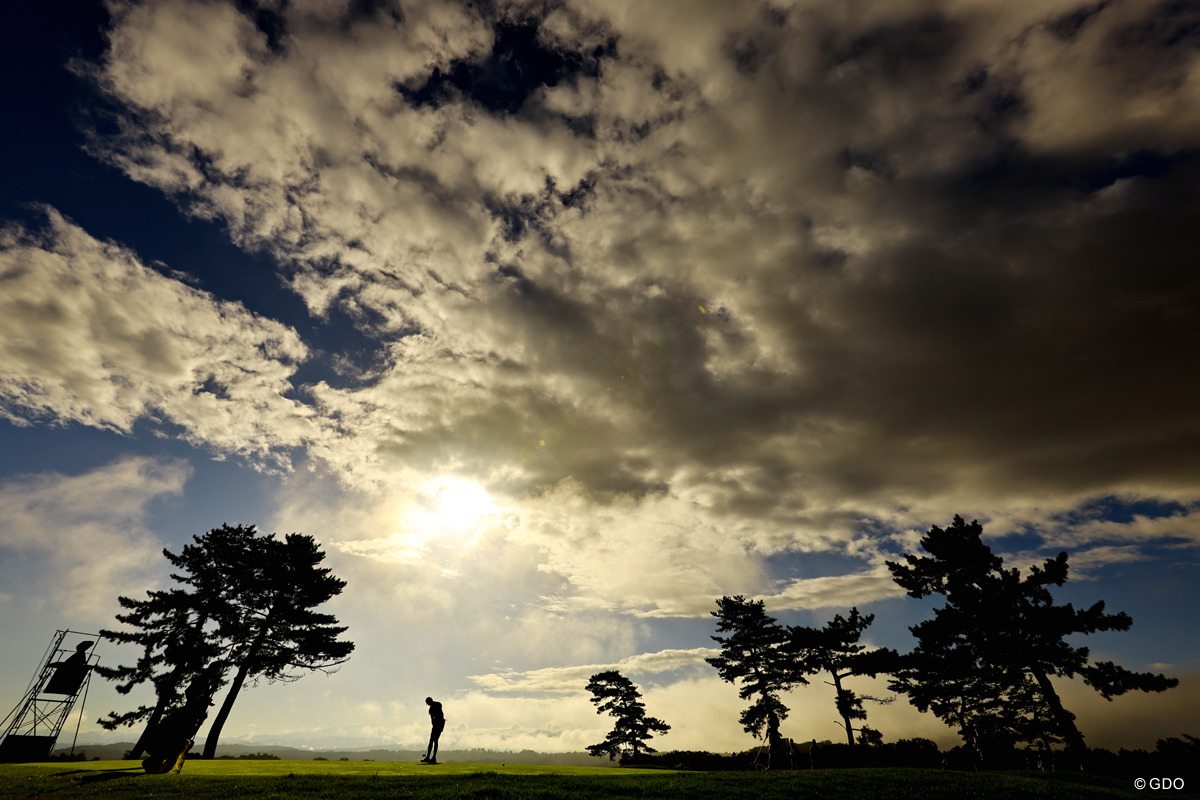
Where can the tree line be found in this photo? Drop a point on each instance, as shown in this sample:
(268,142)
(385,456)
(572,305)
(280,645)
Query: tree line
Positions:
(982,664)
(244,609)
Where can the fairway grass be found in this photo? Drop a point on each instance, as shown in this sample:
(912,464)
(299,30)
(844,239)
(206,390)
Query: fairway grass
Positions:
(350,780)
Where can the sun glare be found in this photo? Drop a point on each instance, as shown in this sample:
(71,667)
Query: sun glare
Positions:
(460,505)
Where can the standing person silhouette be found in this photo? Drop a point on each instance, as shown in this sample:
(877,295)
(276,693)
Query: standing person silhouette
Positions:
(438,720)
(70,672)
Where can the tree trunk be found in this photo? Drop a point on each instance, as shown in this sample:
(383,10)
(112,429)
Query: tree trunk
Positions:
(837,686)
(1066,722)
(197,630)
(155,716)
(214,731)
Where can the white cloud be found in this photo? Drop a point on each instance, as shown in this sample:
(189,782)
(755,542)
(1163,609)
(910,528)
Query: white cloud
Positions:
(835,591)
(657,556)
(565,680)
(1184,525)
(73,543)
(92,336)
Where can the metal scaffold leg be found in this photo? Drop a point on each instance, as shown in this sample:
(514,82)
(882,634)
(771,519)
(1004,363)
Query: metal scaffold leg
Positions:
(62,676)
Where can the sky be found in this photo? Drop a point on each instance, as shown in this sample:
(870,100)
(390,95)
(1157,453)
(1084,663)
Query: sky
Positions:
(553,322)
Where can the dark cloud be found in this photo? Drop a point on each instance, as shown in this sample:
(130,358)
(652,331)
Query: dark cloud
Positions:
(520,64)
(788,269)
(1170,24)
(1068,26)
(899,51)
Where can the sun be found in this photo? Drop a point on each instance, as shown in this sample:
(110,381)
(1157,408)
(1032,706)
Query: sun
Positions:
(460,505)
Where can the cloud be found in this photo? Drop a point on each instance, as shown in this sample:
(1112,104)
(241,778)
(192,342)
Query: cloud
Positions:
(74,542)
(835,590)
(1179,525)
(725,282)
(559,680)
(657,556)
(1080,66)
(94,337)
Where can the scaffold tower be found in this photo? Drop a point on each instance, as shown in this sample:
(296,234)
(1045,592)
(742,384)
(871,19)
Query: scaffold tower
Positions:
(63,676)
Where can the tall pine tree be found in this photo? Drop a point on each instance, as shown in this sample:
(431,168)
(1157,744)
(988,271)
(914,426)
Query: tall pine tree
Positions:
(835,649)
(176,650)
(989,654)
(758,654)
(244,602)
(612,692)
(276,634)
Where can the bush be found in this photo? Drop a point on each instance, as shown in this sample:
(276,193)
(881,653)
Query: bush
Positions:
(697,760)
(251,757)
(904,753)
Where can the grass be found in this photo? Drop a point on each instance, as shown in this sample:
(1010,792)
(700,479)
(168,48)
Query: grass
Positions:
(350,780)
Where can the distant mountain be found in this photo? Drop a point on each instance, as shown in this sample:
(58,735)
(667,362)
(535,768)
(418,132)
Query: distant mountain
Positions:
(106,752)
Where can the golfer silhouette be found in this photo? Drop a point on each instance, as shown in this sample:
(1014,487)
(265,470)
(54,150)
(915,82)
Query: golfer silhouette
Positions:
(438,720)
